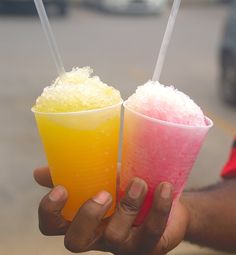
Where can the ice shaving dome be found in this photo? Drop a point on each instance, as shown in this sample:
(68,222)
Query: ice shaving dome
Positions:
(77,91)
(166,103)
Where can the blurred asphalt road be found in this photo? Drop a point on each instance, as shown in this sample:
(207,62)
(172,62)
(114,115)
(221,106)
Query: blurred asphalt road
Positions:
(122,50)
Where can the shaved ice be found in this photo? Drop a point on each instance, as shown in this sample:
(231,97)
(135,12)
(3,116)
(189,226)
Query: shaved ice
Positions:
(167,104)
(77,91)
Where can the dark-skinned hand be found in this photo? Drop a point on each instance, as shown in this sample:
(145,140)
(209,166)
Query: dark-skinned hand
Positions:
(116,234)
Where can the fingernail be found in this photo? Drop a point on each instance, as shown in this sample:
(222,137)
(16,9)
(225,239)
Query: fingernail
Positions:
(136,189)
(57,194)
(166,190)
(102,198)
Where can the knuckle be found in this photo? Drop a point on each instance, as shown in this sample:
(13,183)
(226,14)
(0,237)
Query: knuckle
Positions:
(129,206)
(162,210)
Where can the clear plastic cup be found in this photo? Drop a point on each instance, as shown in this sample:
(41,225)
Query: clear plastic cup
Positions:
(158,151)
(82,150)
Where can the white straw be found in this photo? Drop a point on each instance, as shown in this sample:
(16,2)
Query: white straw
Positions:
(166,40)
(50,37)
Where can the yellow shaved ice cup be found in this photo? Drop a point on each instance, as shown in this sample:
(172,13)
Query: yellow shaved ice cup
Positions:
(82,152)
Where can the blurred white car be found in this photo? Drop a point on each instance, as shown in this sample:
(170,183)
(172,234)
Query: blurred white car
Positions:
(130,6)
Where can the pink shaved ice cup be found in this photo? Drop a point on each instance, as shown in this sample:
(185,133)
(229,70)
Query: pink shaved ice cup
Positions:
(158,151)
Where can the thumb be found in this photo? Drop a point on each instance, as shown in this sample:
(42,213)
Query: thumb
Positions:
(51,221)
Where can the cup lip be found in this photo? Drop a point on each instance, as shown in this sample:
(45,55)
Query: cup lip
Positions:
(208,121)
(79,112)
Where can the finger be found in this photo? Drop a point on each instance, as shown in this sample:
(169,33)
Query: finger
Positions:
(82,233)
(42,177)
(118,229)
(51,221)
(154,226)
(175,230)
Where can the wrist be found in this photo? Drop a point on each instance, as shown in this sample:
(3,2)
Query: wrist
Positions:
(187,202)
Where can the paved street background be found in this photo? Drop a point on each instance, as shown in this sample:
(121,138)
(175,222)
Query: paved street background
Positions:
(122,50)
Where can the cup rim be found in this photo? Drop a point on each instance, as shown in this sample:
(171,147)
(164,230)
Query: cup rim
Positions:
(79,112)
(208,121)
